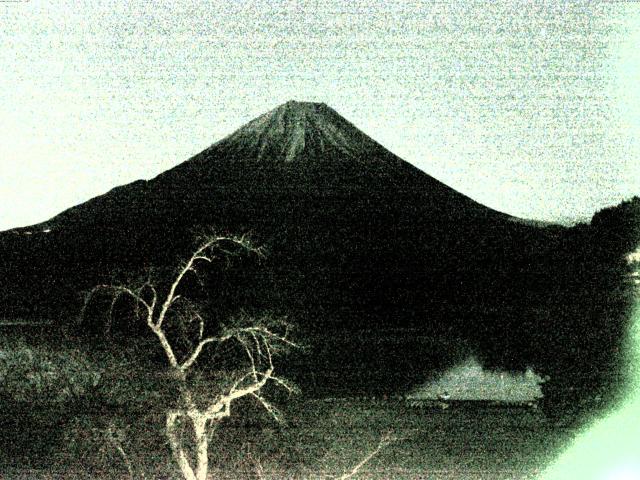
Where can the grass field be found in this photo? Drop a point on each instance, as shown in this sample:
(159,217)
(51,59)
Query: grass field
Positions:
(68,413)
(320,439)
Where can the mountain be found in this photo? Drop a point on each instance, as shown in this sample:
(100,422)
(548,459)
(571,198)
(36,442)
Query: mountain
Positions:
(309,144)
(365,251)
(299,132)
(334,208)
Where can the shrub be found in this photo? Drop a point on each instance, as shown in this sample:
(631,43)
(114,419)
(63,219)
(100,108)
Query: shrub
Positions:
(38,376)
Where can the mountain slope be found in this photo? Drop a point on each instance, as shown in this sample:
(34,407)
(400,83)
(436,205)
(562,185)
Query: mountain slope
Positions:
(358,240)
(308,147)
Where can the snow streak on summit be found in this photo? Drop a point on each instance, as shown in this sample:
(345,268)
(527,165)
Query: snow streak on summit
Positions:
(296,131)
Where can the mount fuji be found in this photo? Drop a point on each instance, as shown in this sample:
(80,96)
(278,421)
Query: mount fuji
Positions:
(361,245)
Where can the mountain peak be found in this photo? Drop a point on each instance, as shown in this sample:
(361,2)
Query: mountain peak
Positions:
(296,107)
(296,131)
(296,104)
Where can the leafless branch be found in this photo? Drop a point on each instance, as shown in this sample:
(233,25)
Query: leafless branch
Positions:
(273,411)
(117,444)
(384,441)
(196,353)
(247,350)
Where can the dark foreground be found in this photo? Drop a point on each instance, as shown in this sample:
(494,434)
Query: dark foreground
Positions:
(320,439)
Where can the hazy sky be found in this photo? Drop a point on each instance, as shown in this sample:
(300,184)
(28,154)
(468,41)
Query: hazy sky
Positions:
(532,108)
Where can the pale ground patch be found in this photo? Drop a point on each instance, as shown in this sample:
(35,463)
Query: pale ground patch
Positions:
(469,381)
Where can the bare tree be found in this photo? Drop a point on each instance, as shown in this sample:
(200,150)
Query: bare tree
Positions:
(260,339)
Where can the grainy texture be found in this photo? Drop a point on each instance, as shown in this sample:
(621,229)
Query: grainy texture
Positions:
(528,107)
(453,327)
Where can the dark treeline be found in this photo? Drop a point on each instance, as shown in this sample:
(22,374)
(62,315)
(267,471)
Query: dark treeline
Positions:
(380,307)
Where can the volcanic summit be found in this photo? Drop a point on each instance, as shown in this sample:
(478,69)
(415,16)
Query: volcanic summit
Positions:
(298,131)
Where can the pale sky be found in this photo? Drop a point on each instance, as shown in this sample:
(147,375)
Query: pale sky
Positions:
(532,108)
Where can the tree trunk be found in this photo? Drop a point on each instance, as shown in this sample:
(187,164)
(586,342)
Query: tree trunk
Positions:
(177,449)
(202,446)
